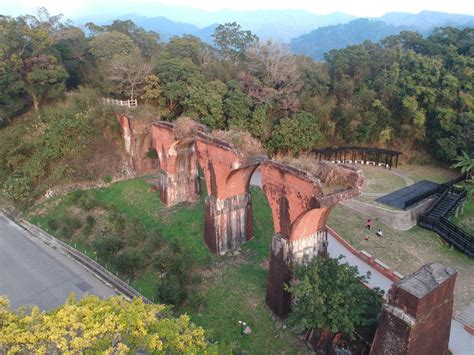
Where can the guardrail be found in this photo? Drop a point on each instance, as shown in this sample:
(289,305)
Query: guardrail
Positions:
(122,103)
(450,232)
(436,190)
(84,260)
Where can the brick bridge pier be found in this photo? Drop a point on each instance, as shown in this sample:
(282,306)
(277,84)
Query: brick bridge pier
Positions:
(228,210)
(300,210)
(178,178)
(138,142)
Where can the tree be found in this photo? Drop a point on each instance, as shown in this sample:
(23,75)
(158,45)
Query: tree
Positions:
(296,133)
(464,162)
(45,77)
(276,67)
(129,73)
(93,325)
(106,45)
(232,42)
(29,62)
(329,296)
(236,106)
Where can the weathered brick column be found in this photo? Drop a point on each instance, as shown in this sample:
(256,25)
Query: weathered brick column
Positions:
(178,178)
(417,318)
(300,210)
(228,210)
(138,142)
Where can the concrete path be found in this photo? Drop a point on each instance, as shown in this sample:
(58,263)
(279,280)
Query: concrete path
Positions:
(377,279)
(35,274)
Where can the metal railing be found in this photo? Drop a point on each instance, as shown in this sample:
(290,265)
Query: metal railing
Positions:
(434,191)
(450,232)
(453,234)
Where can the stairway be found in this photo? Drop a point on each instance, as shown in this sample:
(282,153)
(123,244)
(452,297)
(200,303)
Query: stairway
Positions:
(442,207)
(436,219)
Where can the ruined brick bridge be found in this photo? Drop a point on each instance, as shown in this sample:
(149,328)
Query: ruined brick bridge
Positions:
(301,201)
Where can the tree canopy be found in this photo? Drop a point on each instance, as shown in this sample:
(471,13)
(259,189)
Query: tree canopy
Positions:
(329,295)
(113,325)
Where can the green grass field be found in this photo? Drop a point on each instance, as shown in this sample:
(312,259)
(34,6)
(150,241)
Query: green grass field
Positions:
(231,287)
(465,220)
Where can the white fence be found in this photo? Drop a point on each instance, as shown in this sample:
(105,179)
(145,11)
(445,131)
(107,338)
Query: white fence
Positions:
(123,103)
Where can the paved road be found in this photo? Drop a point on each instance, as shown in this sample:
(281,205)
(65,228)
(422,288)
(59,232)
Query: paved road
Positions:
(33,273)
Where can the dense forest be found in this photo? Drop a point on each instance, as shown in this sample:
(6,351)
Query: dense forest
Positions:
(407,92)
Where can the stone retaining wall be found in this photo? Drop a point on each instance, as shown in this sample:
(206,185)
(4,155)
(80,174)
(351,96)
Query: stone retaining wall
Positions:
(399,220)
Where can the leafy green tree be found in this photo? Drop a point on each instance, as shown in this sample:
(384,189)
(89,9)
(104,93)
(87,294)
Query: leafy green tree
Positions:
(465,163)
(331,296)
(205,102)
(175,75)
(299,132)
(233,42)
(236,106)
(106,45)
(258,125)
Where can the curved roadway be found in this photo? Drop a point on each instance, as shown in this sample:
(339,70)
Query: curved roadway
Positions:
(32,273)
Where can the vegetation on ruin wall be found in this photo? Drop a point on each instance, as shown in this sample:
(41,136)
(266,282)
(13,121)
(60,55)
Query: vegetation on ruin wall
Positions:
(217,292)
(406,91)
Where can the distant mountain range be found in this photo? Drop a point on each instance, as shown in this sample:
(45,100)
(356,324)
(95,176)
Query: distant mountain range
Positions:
(280,25)
(323,39)
(307,33)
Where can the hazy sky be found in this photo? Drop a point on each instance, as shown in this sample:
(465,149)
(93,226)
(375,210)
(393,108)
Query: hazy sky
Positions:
(353,7)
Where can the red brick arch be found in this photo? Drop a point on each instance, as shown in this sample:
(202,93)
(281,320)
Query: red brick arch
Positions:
(300,211)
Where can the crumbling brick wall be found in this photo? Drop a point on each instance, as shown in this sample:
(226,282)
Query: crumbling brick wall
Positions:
(417,318)
(138,142)
(178,178)
(300,210)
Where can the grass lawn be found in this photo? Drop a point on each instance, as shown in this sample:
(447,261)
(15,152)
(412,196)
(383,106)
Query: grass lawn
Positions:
(232,287)
(405,252)
(378,179)
(429,172)
(466,219)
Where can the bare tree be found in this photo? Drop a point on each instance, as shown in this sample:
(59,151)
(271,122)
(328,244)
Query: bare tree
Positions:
(130,72)
(277,69)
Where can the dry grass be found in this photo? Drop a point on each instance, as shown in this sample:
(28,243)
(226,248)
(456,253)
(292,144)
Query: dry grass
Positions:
(429,172)
(242,141)
(186,127)
(329,175)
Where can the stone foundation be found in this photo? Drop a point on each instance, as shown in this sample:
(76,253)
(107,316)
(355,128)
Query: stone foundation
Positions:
(178,187)
(283,256)
(279,274)
(228,222)
(417,318)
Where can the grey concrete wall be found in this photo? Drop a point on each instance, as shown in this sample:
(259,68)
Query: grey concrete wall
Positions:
(400,220)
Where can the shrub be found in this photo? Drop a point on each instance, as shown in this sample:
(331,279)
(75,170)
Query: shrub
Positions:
(87,201)
(52,224)
(128,262)
(170,290)
(107,247)
(107,179)
(90,222)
